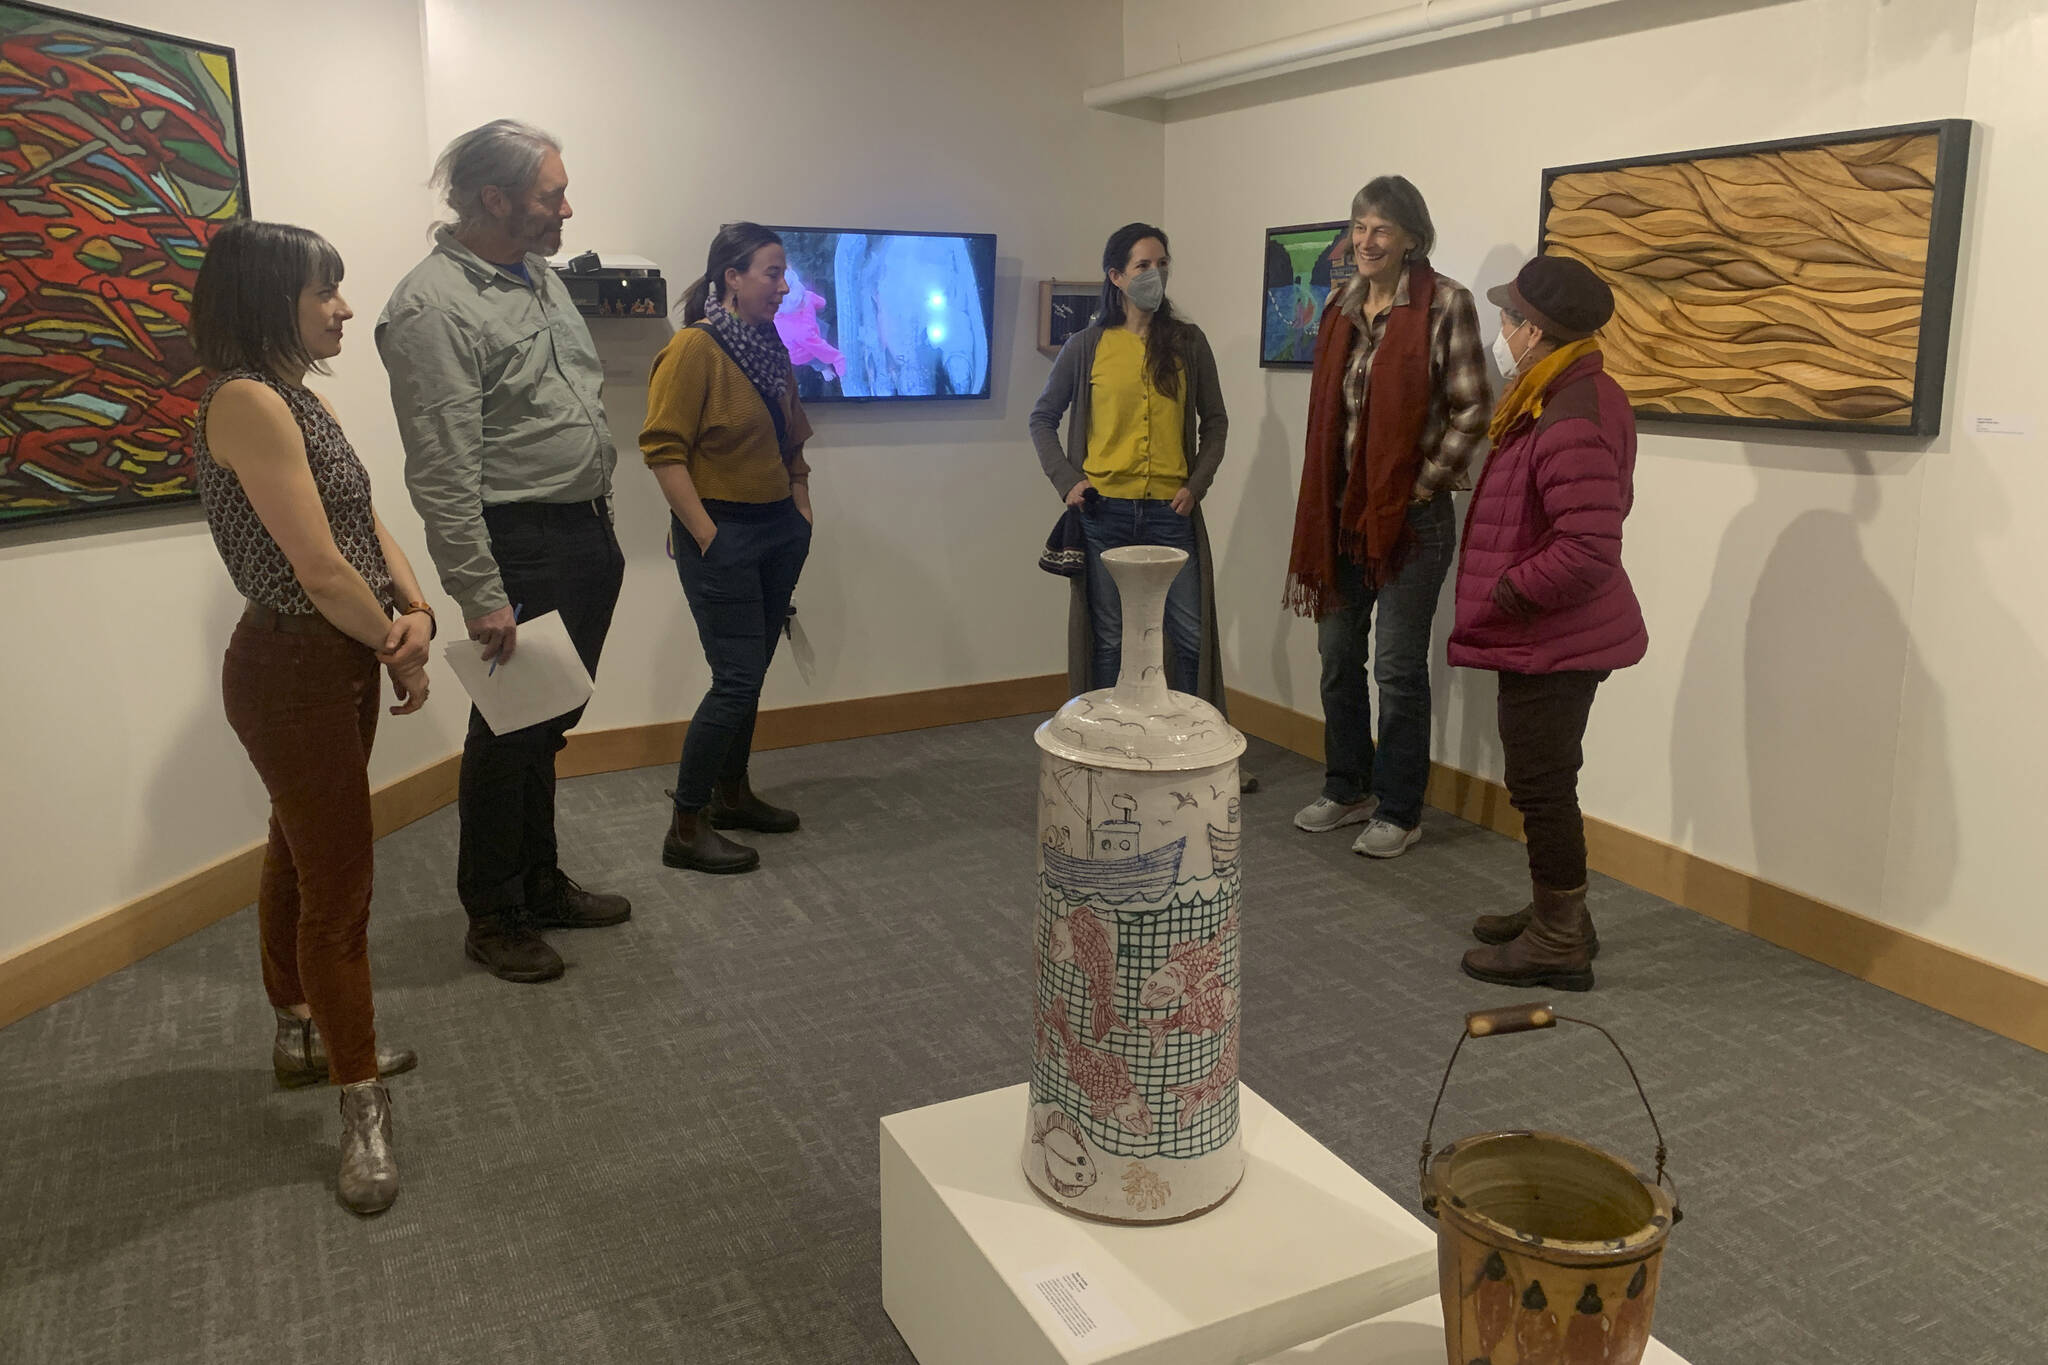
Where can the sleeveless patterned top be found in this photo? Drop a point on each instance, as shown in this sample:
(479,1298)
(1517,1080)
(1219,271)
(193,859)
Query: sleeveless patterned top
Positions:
(258,567)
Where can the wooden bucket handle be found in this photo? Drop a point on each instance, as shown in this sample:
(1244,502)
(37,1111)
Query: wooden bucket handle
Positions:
(1522,1019)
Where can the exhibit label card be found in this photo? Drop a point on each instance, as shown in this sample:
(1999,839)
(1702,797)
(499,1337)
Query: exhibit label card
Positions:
(1080,1306)
(2001,426)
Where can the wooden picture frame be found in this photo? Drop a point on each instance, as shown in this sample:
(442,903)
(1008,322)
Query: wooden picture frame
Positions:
(1804,284)
(1064,308)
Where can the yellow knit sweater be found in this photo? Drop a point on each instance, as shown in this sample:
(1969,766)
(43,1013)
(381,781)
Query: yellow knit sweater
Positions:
(704,413)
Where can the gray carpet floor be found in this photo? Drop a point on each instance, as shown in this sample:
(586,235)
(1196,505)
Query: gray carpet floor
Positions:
(670,1155)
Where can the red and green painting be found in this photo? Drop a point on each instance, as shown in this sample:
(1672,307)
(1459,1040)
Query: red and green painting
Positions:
(120,155)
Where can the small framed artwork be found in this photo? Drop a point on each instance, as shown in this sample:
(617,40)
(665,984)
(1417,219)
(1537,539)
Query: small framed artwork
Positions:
(1804,284)
(1303,264)
(121,154)
(1064,308)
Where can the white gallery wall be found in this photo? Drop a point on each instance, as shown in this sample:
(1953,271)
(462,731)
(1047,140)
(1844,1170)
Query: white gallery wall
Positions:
(1848,642)
(122,774)
(678,115)
(1849,646)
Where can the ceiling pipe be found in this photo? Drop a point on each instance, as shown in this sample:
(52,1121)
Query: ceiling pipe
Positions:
(1432,19)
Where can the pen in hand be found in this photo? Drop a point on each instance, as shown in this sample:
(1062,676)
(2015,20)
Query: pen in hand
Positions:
(515,621)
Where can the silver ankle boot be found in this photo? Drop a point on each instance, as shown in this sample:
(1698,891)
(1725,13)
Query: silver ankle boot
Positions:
(369,1168)
(299,1057)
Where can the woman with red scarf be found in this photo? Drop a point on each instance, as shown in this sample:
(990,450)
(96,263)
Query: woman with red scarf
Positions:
(1398,407)
(1544,601)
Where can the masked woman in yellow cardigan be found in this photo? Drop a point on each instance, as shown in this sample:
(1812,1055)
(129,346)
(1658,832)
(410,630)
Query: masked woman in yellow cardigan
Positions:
(1145,431)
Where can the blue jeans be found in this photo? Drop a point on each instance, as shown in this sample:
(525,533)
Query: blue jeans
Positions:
(1397,769)
(739,592)
(1111,524)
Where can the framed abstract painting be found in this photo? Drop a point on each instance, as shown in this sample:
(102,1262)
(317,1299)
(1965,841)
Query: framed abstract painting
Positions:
(121,153)
(1303,264)
(1804,284)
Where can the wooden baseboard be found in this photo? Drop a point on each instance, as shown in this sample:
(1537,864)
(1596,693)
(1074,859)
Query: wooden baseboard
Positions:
(2012,1004)
(2009,1003)
(46,972)
(643,746)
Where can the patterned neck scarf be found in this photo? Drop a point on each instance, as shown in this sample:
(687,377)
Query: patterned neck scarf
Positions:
(759,350)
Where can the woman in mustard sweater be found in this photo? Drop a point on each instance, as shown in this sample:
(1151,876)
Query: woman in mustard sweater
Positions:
(725,437)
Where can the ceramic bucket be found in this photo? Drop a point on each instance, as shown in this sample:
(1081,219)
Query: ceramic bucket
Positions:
(1549,1250)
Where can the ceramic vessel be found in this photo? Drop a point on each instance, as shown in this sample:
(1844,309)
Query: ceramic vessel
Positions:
(1133,1112)
(1549,1250)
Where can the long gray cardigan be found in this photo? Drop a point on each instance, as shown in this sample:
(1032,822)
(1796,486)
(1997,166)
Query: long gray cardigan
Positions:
(1204,426)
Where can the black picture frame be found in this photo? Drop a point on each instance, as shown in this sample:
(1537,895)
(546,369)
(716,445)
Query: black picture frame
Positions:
(1953,139)
(95,24)
(1278,273)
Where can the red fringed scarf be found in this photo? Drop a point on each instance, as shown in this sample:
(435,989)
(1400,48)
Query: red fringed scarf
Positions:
(1371,526)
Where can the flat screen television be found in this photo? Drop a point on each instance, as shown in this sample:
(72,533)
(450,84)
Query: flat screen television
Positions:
(884,315)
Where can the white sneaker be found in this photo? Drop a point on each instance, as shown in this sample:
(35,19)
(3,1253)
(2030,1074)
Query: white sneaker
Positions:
(1322,815)
(1385,839)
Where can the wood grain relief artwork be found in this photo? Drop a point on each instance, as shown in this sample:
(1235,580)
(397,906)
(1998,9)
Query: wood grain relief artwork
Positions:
(1805,283)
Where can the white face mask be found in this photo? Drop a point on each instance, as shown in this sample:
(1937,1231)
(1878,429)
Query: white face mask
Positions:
(1504,355)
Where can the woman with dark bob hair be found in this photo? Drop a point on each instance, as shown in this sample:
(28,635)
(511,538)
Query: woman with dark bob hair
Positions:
(725,438)
(330,599)
(1398,407)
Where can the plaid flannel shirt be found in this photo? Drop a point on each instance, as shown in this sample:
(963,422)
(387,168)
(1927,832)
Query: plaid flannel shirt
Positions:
(1460,395)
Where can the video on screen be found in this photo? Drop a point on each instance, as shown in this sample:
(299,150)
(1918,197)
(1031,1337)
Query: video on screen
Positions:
(885,315)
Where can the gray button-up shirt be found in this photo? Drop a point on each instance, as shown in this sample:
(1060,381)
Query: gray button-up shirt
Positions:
(498,391)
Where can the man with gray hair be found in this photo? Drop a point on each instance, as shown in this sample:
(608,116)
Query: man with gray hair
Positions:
(509,460)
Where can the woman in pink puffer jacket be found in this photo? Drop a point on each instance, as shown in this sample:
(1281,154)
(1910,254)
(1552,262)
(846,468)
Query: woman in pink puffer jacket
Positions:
(1543,600)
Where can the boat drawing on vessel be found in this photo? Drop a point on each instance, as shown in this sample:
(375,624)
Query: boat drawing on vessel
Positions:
(1115,867)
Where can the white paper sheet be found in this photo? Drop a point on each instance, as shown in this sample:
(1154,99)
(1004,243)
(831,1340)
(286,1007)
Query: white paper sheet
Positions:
(543,678)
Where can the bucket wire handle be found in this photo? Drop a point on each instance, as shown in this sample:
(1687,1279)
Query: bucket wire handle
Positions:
(1522,1019)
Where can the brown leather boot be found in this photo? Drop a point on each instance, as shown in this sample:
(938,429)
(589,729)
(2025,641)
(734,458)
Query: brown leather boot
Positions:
(299,1057)
(694,844)
(1550,952)
(563,904)
(509,946)
(734,806)
(1504,928)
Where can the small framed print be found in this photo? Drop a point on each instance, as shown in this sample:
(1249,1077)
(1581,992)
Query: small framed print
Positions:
(1064,308)
(1304,263)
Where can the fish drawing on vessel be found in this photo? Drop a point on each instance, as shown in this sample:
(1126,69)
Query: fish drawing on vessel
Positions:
(1063,1147)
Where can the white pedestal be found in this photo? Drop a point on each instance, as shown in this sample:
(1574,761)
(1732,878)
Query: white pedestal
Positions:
(1408,1336)
(1305,1248)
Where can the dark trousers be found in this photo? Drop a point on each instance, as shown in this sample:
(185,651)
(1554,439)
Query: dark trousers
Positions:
(552,556)
(1396,768)
(739,593)
(1112,524)
(305,707)
(1543,730)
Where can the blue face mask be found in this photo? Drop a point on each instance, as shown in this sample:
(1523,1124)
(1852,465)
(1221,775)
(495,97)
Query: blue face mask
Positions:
(1148,290)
